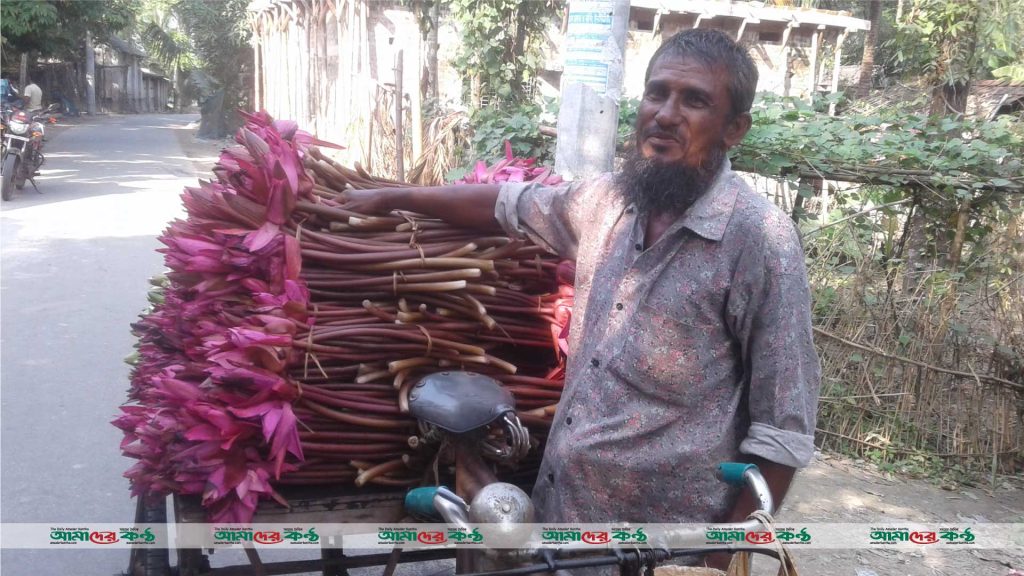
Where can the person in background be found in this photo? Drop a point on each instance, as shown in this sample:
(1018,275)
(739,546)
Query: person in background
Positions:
(8,94)
(33,95)
(691,339)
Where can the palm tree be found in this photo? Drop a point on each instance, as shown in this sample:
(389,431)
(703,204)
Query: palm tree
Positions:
(163,37)
(867,61)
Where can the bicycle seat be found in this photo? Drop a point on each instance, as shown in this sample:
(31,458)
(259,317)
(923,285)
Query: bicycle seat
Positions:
(458,402)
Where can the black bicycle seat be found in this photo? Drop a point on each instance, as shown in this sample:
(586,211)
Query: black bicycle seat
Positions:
(458,402)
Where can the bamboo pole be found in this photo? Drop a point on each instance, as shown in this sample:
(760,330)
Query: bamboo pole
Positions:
(416,104)
(399,132)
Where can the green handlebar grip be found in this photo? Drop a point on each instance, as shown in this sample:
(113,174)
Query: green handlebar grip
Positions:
(420,502)
(732,472)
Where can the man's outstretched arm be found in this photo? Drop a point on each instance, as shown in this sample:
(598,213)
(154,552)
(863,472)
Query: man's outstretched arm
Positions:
(465,205)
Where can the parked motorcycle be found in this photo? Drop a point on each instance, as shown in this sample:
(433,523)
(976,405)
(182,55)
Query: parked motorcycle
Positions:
(22,147)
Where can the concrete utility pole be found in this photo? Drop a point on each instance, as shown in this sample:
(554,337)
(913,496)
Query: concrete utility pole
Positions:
(90,76)
(591,87)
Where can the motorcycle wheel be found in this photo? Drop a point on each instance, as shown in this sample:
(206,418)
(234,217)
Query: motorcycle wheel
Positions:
(9,168)
(22,174)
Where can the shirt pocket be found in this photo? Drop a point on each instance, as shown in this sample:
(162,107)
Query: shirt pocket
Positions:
(660,356)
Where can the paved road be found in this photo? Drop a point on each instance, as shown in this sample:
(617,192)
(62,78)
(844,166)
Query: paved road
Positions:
(75,263)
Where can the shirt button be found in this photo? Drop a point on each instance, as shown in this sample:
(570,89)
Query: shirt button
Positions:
(639,246)
(618,305)
(551,478)
(568,421)
(595,362)
(629,210)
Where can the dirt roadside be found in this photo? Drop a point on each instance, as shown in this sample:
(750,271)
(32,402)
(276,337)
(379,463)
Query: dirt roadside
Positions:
(835,489)
(203,153)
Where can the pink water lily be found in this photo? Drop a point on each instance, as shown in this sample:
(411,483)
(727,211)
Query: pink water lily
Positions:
(213,413)
(509,169)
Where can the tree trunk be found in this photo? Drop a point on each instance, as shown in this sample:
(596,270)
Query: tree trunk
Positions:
(90,76)
(518,86)
(917,240)
(178,92)
(867,61)
(432,48)
(949,98)
(956,248)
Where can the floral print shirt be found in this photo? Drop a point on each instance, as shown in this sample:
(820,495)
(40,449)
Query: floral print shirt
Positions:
(683,355)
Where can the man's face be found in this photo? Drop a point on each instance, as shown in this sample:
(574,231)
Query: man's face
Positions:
(684,128)
(685,116)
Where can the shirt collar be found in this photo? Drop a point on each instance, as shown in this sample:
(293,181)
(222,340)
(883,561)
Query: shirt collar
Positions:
(710,214)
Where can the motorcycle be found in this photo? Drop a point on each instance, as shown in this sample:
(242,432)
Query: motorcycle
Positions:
(22,148)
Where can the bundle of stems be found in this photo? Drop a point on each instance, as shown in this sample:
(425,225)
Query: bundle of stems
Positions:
(289,331)
(396,297)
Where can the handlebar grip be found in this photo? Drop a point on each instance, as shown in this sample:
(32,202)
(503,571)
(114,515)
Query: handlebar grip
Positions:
(732,472)
(420,502)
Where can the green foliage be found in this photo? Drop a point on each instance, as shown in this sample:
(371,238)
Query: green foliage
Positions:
(162,34)
(58,27)
(890,147)
(627,120)
(519,125)
(1011,72)
(935,39)
(218,35)
(502,43)
(946,39)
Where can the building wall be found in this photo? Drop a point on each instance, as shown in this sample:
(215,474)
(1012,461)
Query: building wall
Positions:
(119,81)
(763,41)
(330,66)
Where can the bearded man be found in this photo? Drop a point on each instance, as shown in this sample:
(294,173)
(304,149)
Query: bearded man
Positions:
(691,333)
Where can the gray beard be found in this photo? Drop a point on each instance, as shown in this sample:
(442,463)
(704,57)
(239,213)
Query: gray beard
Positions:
(658,188)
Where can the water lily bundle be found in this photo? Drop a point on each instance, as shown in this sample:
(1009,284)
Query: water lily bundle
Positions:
(290,331)
(509,169)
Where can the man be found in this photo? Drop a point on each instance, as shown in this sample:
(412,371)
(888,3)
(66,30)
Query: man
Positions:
(33,95)
(691,336)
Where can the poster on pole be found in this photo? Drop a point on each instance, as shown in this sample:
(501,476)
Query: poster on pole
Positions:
(588,49)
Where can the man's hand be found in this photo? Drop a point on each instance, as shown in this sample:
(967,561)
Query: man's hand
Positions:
(370,202)
(778,478)
(718,561)
(465,205)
